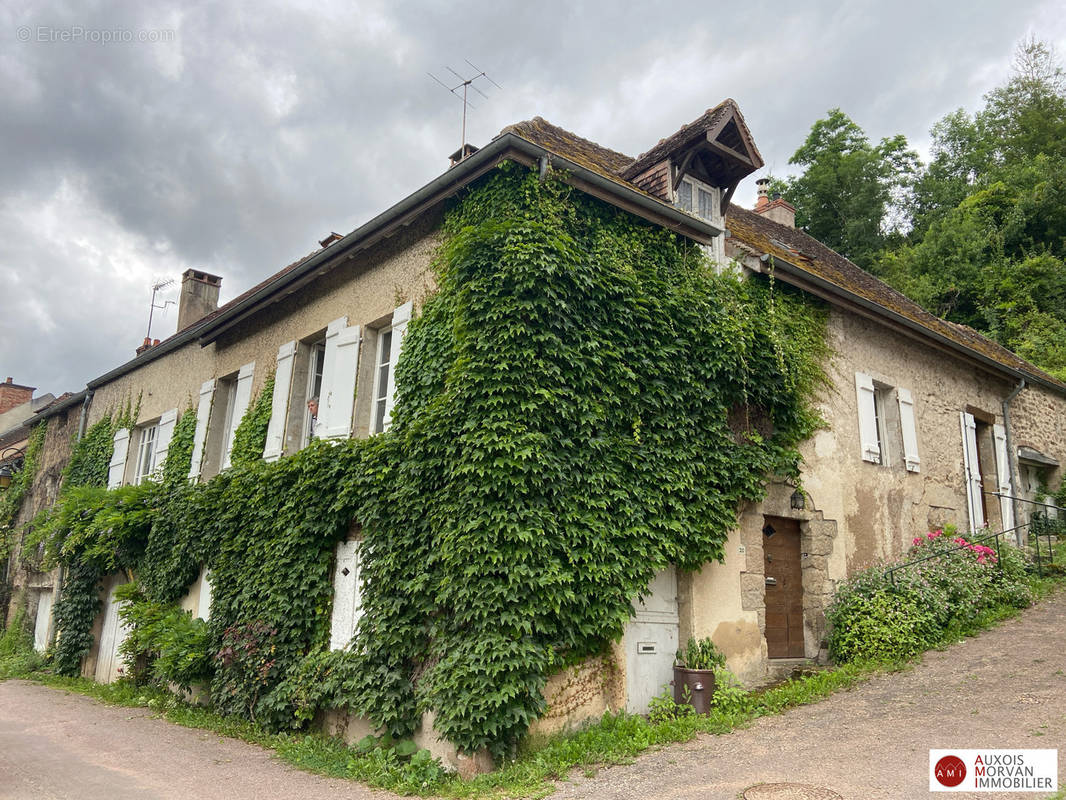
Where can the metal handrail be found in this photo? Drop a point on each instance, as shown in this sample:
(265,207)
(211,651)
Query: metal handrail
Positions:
(890,573)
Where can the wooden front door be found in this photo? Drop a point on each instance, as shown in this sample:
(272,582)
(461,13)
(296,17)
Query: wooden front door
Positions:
(784,588)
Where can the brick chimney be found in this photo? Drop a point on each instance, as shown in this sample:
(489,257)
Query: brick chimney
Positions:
(12,394)
(199,297)
(780,211)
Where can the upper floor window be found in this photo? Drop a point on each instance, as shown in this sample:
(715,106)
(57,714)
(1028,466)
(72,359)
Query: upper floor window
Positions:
(316,361)
(146,453)
(382,377)
(887,430)
(699,199)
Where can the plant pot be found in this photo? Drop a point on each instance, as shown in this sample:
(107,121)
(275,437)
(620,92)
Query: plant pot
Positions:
(700,683)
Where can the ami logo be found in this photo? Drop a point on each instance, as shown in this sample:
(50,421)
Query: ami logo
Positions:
(950,771)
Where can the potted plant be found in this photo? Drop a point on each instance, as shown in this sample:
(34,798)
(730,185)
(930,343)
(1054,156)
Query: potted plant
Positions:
(694,673)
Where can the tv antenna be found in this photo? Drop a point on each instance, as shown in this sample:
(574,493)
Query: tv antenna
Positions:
(465,84)
(155,289)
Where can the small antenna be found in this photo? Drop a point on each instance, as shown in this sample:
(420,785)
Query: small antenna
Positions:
(155,288)
(465,84)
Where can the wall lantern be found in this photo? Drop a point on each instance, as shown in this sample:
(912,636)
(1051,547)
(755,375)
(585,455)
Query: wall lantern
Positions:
(798,500)
(7,471)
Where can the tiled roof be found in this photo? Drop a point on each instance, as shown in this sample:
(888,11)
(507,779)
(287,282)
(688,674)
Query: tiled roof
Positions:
(590,155)
(789,244)
(808,254)
(694,130)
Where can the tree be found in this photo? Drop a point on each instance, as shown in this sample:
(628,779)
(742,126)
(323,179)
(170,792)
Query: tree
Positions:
(852,195)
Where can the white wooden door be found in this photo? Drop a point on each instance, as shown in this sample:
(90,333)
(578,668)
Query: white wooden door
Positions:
(44,620)
(650,642)
(112,635)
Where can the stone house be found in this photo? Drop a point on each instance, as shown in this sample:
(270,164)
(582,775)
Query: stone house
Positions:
(928,422)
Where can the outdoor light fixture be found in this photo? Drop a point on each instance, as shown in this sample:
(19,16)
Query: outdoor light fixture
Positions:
(798,500)
(7,471)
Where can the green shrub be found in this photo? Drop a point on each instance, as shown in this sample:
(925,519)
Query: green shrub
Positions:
(17,656)
(874,616)
(172,645)
(870,618)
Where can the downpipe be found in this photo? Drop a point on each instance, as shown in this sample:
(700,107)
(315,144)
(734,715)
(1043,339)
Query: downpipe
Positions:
(1012,458)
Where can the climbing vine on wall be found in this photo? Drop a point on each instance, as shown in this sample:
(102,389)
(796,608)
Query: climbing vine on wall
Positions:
(583,403)
(11,499)
(250,437)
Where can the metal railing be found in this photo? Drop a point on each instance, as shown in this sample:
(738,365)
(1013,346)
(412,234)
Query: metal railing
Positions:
(1039,525)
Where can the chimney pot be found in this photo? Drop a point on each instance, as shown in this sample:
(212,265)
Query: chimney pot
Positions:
(198,298)
(763,188)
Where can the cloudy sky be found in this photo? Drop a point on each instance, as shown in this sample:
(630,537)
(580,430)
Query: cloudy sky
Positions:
(231,138)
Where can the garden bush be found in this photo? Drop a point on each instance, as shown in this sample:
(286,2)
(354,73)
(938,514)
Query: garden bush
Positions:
(881,617)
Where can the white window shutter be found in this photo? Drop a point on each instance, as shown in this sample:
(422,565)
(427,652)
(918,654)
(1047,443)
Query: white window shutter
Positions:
(203,412)
(910,430)
(972,465)
(279,408)
(116,470)
(347,606)
(163,434)
(864,389)
(400,317)
(203,605)
(242,396)
(1006,506)
(329,372)
(336,404)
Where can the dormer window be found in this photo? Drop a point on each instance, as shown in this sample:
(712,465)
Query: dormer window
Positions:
(699,199)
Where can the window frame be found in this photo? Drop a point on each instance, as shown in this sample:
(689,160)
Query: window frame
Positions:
(316,355)
(380,394)
(145,465)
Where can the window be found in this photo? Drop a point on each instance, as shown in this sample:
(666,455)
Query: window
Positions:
(238,396)
(315,367)
(149,454)
(887,429)
(145,454)
(382,378)
(699,199)
(705,202)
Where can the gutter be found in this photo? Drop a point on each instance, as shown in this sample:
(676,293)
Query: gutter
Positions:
(924,332)
(1012,458)
(499,149)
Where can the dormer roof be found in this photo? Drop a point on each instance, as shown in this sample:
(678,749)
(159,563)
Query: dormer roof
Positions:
(717,143)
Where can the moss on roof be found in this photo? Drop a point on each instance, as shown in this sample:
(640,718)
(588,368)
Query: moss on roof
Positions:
(809,255)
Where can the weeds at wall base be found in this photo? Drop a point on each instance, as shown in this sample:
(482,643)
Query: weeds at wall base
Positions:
(614,739)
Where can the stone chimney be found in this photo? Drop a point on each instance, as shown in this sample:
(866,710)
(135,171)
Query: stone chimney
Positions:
(12,394)
(780,211)
(199,297)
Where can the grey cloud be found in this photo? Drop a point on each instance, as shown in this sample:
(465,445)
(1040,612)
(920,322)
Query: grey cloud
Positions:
(260,128)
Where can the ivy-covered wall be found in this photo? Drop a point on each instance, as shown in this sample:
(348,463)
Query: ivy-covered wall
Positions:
(582,403)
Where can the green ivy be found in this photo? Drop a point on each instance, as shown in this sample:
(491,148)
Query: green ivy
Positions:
(91,455)
(249,439)
(584,402)
(12,497)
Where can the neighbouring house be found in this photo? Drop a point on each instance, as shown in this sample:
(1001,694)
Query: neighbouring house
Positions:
(928,422)
(22,569)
